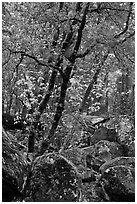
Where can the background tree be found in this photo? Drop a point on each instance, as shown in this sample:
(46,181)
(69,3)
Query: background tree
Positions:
(60,59)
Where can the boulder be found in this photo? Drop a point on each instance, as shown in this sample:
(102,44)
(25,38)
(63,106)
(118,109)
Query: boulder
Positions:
(10,190)
(118,183)
(126,136)
(88,150)
(112,135)
(90,193)
(103,133)
(128,146)
(78,157)
(124,161)
(53,179)
(14,168)
(102,152)
(75,155)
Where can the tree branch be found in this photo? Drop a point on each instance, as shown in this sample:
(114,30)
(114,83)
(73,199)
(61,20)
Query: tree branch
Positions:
(93,81)
(44,102)
(39,62)
(115,9)
(127,22)
(4,63)
(81,55)
(79,37)
(71,19)
(126,38)
(132,61)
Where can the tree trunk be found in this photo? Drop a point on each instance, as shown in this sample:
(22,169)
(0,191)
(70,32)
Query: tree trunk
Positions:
(89,88)
(60,106)
(66,76)
(44,102)
(94,81)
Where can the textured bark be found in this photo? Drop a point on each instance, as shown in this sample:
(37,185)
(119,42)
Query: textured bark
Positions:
(44,102)
(31,142)
(66,77)
(90,87)
(60,106)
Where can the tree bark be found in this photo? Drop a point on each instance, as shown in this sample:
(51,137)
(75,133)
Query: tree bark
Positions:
(44,102)
(60,106)
(66,77)
(90,87)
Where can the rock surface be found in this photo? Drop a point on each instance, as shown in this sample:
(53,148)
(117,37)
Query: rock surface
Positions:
(118,183)
(126,137)
(102,152)
(124,161)
(75,155)
(14,168)
(103,133)
(53,179)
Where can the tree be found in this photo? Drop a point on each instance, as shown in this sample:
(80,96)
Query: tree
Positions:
(56,57)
